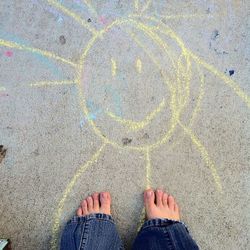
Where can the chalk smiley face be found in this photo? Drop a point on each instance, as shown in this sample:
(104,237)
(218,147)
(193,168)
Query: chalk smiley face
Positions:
(166,98)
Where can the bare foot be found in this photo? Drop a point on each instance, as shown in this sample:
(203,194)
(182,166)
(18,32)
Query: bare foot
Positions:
(96,203)
(159,204)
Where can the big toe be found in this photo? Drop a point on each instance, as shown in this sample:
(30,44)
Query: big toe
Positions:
(149,198)
(105,199)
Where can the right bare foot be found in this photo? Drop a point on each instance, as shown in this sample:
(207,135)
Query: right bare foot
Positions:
(96,203)
(160,205)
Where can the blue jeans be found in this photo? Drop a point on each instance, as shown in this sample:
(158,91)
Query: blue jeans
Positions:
(98,232)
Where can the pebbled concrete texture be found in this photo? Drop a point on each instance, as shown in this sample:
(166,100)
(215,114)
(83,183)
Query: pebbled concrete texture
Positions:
(132,108)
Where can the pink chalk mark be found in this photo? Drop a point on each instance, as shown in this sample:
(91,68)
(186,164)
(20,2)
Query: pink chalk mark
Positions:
(103,20)
(3,94)
(8,53)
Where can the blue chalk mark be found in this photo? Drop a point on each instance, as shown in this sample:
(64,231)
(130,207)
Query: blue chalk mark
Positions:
(116,98)
(44,60)
(91,105)
(57,14)
(94,109)
(122,79)
(82,122)
(90,117)
(59,20)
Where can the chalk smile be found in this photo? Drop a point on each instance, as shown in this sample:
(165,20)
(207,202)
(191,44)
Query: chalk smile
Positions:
(136,125)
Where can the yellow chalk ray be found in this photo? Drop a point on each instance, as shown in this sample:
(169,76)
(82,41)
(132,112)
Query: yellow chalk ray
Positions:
(148,169)
(205,156)
(51,83)
(133,125)
(67,191)
(138,66)
(232,84)
(184,16)
(2,89)
(113,67)
(148,185)
(48,54)
(141,219)
(68,12)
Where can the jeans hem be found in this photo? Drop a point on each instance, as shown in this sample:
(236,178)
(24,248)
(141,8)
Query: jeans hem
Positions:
(161,223)
(98,216)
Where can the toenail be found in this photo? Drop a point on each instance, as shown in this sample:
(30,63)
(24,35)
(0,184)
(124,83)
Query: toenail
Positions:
(149,194)
(104,195)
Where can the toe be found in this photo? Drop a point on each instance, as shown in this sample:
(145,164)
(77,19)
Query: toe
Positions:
(159,196)
(176,208)
(149,198)
(165,200)
(90,204)
(95,197)
(171,202)
(84,207)
(105,199)
(79,211)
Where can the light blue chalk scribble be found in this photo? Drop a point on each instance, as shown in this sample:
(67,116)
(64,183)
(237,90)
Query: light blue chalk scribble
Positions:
(43,59)
(91,106)
(116,99)
(59,20)
(47,8)
(94,112)
(90,117)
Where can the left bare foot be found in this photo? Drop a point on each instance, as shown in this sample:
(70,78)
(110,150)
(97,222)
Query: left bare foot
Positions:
(96,203)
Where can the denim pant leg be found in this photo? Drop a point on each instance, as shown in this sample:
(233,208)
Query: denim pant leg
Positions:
(159,234)
(91,232)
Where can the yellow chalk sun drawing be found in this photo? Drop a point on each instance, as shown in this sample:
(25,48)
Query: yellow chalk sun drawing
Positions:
(176,83)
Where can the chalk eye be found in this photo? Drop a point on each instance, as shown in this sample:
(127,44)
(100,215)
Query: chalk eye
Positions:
(138,65)
(113,67)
